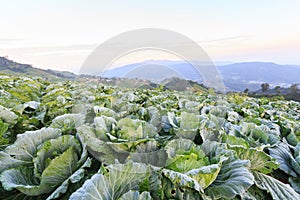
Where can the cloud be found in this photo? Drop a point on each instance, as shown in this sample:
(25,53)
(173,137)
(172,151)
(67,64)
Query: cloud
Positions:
(225,39)
(43,50)
(51,50)
(54,48)
(10,39)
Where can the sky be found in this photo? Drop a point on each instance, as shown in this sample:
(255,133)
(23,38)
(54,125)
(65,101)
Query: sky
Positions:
(61,34)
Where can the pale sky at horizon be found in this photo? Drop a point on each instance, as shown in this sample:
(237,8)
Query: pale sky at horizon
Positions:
(61,34)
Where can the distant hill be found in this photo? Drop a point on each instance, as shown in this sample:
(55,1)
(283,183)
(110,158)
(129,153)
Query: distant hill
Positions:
(155,71)
(251,75)
(17,69)
(236,77)
(290,93)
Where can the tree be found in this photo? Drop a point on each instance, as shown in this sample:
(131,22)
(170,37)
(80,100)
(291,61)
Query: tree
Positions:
(265,87)
(277,89)
(246,91)
(294,88)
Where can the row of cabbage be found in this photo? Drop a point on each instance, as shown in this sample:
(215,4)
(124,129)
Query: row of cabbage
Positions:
(71,140)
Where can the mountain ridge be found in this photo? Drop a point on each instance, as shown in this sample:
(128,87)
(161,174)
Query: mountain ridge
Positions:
(17,69)
(236,76)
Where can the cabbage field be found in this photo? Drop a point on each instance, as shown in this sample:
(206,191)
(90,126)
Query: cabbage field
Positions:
(84,140)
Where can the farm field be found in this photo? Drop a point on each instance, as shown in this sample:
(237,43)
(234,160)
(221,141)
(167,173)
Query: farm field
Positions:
(84,140)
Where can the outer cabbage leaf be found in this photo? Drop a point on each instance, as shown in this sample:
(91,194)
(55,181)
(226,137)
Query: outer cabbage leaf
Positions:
(219,111)
(4,140)
(189,125)
(172,191)
(205,175)
(255,193)
(58,170)
(149,153)
(186,126)
(104,126)
(134,129)
(8,116)
(103,111)
(282,153)
(32,104)
(173,120)
(295,183)
(21,179)
(155,118)
(26,144)
(216,151)
(74,178)
(211,128)
(52,148)
(120,179)
(101,150)
(185,157)
(277,189)
(6,162)
(68,122)
(255,135)
(233,117)
(193,106)
(55,164)
(260,161)
(107,142)
(182,180)
(135,195)
(233,179)
(233,140)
